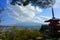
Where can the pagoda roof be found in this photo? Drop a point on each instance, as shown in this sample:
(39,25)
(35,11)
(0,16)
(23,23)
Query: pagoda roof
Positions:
(52,20)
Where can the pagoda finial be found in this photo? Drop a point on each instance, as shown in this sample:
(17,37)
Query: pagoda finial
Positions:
(53,14)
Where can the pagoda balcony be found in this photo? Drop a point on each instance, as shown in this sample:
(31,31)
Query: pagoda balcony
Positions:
(54,28)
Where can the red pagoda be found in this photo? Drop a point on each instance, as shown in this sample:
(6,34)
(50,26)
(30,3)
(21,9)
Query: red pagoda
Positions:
(54,27)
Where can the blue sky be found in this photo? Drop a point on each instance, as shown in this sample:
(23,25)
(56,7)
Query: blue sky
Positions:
(20,14)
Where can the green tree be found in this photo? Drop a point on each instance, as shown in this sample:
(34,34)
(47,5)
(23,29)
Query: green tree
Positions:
(17,34)
(44,28)
(40,3)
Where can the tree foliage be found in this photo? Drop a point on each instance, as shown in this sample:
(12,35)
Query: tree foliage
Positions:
(18,34)
(39,3)
(43,28)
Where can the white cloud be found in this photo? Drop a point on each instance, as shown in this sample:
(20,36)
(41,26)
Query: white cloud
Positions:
(25,14)
(45,17)
(21,13)
(40,19)
(57,4)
